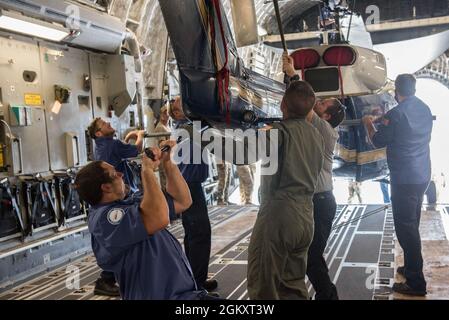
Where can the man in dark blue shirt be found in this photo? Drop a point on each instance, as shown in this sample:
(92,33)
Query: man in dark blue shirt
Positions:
(114,152)
(128,234)
(195,220)
(406,132)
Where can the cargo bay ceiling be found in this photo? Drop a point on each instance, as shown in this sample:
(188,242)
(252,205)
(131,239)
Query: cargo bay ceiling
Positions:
(296,14)
(145,19)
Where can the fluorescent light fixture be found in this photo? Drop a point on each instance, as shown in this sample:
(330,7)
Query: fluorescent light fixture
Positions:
(25,25)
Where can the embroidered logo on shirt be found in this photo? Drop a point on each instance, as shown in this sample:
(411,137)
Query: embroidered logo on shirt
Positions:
(115,216)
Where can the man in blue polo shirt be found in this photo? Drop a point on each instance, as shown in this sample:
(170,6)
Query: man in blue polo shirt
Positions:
(114,152)
(128,234)
(406,132)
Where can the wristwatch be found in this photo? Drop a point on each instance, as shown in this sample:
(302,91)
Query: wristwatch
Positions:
(295,78)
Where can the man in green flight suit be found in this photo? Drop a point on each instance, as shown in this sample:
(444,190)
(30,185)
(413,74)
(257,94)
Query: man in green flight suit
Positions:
(283,230)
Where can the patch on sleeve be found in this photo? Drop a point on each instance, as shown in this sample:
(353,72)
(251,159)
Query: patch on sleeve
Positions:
(115,216)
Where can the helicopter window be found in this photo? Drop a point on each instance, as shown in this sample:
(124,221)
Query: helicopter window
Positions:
(323,80)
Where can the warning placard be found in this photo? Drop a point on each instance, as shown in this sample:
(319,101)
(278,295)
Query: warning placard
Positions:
(33,99)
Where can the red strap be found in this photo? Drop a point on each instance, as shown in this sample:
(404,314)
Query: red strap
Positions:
(340,76)
(303,72)
(223,74)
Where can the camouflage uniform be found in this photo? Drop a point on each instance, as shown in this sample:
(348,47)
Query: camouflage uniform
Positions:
(354,189)
(224,175)
(246,175)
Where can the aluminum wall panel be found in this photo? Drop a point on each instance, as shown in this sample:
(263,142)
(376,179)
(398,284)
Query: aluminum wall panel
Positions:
(65,67)
(28,153)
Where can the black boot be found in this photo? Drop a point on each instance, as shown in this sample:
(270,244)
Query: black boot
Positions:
(210,285)
(404,288)
(106,288)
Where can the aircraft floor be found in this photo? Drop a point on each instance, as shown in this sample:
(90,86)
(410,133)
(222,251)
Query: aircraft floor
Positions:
(361,253)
